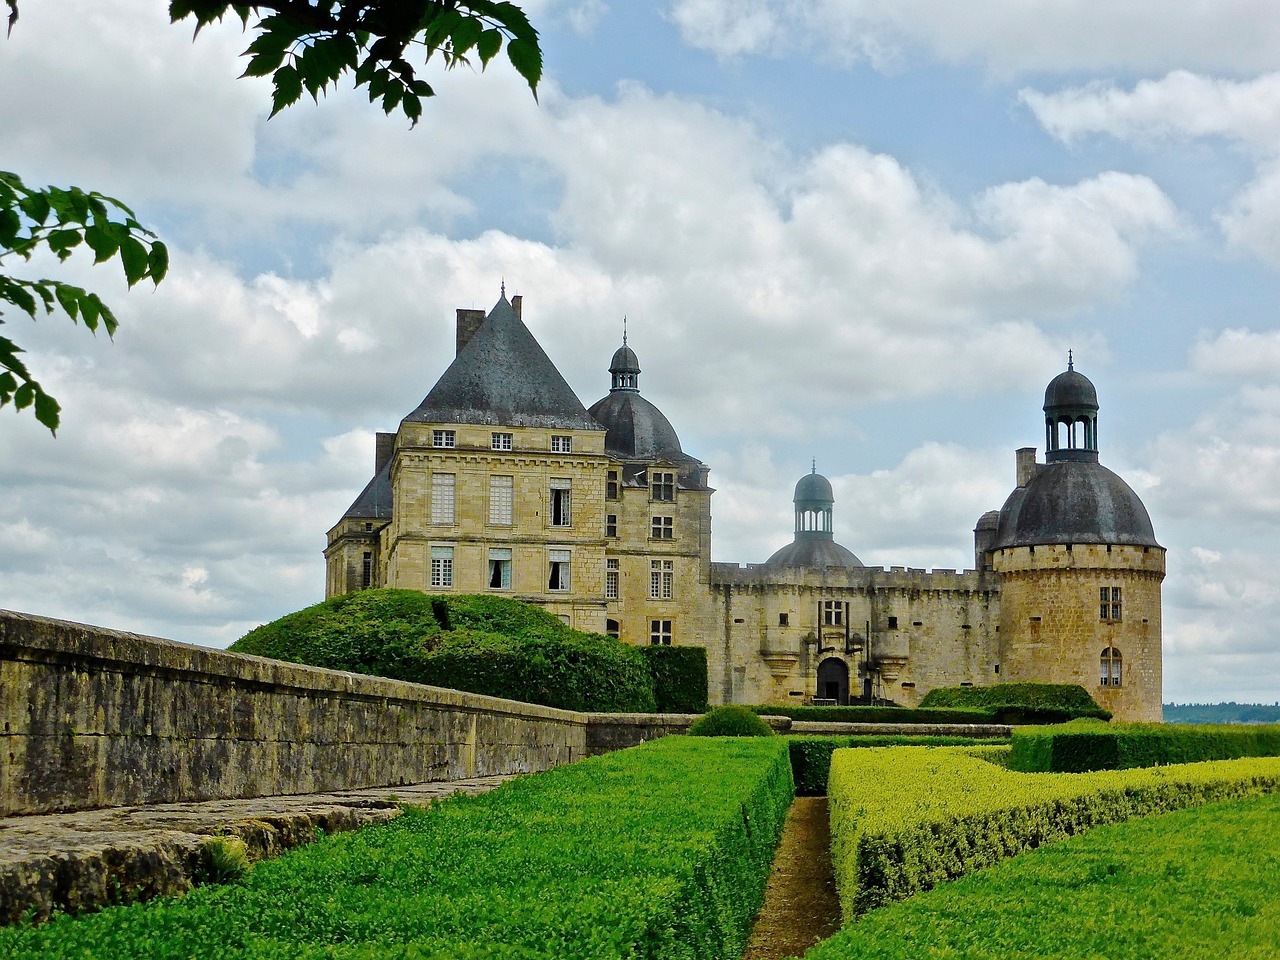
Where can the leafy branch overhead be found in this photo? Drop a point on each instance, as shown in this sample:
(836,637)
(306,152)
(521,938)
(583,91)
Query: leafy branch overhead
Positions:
(58,220)
(306,45)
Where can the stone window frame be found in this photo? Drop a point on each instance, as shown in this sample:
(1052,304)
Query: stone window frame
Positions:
(500,568)
(612,575)
(502,500)
(1109,608)
(444,498)
(561,443)
(662,486)
(502,441)
(1111,664)
(444,439)
(660,633)
(559,570)
(662,528)
(560,512)
(662,579)
(441,574)
(833,613)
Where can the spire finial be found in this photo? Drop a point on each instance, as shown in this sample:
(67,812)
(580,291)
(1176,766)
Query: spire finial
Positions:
(503,286)
(624,329)
(1070,361)
(815,465)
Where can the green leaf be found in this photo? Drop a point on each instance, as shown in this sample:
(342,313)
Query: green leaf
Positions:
(465,35)
(10,224)
(62,241)
(288,89)
(69,298)
(22,299)
(90,309)
(35,206)
(101,239)
(526,57)
(489,44)
(47,411)
(158,262)
(24,396)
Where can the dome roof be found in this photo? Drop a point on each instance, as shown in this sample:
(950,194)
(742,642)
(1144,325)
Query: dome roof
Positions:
(814,553)
(814,488)
(989,521)
(1074,501)
(1070,389)
(636,429)
(624,361)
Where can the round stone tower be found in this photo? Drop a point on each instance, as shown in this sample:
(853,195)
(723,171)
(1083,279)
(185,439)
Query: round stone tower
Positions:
(1080,567)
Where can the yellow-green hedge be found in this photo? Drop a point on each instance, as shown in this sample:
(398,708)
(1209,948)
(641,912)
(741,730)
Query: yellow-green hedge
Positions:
(906,818)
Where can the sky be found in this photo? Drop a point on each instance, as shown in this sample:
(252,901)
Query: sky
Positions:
(864,232)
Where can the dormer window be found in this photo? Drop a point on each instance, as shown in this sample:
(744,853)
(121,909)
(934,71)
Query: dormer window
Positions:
(561,444)
(443,438)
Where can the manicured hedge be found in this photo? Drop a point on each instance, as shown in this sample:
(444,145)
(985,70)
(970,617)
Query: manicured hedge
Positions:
(679,678)
(657,852)
(811,756)
(1022,702)
(482,644)
(1086,745)
(875,714)
(1190,885)
(730,720)
(906,818)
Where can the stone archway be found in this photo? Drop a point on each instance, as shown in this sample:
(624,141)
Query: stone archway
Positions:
(833,681)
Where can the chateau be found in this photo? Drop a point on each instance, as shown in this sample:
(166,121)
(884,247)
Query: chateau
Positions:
(501,481)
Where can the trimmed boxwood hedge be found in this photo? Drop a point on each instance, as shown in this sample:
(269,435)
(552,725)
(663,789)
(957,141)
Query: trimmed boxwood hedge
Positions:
(655,853)
(904,819)
(730,720)
(1088,745)
(679,677)
(811,756)
(1020,703)
(875,714)
(482,644)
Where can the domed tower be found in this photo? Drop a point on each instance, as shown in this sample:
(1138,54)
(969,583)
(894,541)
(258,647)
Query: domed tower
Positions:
(1080,566)
(815,543)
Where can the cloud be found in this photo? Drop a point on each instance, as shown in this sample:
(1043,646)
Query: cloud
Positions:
(1003,36)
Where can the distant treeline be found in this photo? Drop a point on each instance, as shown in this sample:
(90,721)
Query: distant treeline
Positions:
(1222,712)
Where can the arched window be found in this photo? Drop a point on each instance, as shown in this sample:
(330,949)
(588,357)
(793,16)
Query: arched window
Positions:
(1110,667)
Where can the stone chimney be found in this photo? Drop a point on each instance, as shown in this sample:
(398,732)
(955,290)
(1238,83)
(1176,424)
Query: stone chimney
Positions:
(384,447)
(515,306)
(1026,465)
(468,323)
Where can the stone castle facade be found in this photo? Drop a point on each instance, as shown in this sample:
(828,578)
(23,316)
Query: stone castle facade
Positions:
(502,481)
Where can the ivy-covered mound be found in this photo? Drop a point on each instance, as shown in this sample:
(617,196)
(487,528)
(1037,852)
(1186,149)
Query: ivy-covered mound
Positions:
(491,645)
(1022,702)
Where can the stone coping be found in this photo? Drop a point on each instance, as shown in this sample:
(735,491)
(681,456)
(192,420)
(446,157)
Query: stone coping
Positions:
(975,730)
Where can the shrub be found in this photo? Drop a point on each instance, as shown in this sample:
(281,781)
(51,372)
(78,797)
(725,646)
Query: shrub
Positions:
(1088,745)
(660,852)
(731,720)
(811,756)
(1020,703)
(679,677)
(491,645)
(876,714)
(225,859)
(903,819)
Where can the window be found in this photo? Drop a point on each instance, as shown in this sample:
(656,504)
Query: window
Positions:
(561,444)
(442,498)
(611,525)
(663,486)
(560,516)
(502,441)
(661,579)
(893,623)
(832,613)
(661,528)
(500,493)
(784,619)
(443,438)
(611,628)
(558,569)
(611,486)
(1109,604)
(611,580)
(660,632)
(1110,667)
(442,566)
(499,568)
(366,572)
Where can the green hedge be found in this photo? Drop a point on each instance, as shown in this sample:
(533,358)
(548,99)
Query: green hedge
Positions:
(1086,745)
(482,644)
(647,854)
(1188,884)
(730,720)
(903,819)
(1021,702)
(875,714)
(811,756)
(679,677)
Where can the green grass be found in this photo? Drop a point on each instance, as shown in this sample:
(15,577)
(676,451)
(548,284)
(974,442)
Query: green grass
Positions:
(1197,884)
(657,852)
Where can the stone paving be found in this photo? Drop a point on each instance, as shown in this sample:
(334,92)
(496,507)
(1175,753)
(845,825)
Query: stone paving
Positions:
(91,858)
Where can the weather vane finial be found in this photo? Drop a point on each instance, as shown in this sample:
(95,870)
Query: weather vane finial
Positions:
(1071,365)
(504,287)
(624,329)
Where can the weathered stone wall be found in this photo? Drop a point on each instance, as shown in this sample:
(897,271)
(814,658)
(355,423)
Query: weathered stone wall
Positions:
(94,718)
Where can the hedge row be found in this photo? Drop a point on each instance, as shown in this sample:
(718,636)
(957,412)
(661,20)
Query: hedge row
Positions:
(484,644)
(906,818)
(1022,702)
(657,852)
(1092,746)
(811,756)
(1189,884)
(874,714)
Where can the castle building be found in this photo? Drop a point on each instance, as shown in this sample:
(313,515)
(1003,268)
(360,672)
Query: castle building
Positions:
(501,481)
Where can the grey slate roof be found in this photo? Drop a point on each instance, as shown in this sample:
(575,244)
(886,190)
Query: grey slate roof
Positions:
(503,377)
(1074,501)
(815,552)
(636,429)
(374,502)
(814,488)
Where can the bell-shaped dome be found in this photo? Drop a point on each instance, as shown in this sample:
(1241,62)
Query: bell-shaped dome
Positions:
(814,554)
(634,428)
(814,544)
(1074,501)
(814,488)
(1070,389)
(624,361)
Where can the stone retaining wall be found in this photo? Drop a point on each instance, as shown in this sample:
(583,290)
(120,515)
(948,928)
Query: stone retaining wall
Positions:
(91,717)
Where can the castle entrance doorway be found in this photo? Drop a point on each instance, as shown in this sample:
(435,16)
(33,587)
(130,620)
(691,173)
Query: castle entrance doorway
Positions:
(833,681)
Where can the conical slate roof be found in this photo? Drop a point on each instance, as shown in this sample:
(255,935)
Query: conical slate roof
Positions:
(503,377)
(374,502)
